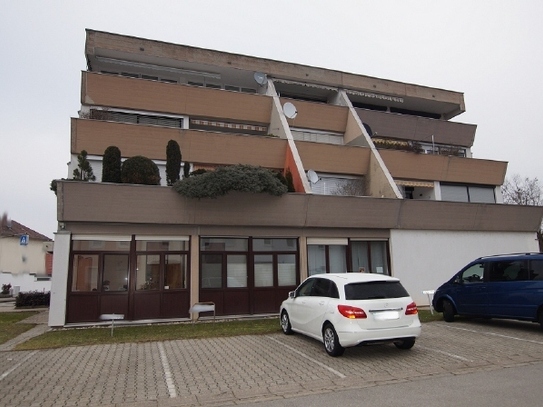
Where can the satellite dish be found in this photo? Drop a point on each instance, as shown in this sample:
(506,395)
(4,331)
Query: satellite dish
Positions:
(312,176)
(290,110)
(261,78)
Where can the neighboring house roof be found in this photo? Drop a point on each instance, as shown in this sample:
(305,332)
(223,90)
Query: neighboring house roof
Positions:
(11,228)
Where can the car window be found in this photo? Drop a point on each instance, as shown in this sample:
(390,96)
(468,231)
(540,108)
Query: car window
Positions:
(536,267)
(305,289)
(473,274)
(374,290)
(324,288)
(507,270)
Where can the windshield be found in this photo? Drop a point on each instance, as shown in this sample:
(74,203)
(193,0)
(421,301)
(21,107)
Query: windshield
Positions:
(375,290)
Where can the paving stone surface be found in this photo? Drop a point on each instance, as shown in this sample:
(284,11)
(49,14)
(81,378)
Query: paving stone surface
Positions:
(244,370)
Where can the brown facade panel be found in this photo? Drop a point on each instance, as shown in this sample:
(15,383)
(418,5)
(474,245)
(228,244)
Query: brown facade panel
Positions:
(152,96)
(318,116)
(436,215)
(130,48)
(333,158)
(84,202)
(428,167)
(417,128)
(203,147)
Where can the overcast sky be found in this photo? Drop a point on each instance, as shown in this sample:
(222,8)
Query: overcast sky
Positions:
(492,51)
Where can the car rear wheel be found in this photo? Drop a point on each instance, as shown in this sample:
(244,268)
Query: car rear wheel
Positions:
(331,341)
(405,343)
(285,323)
(448,311)
(540,318)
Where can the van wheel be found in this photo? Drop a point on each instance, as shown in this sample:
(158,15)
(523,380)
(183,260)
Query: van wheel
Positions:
(448,311)
(540,318)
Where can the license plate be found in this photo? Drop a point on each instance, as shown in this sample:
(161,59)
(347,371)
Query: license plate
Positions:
(386,315)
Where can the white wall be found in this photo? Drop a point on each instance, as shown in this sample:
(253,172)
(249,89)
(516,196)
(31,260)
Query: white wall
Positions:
(24,282)
(20,265)
(61,258)
(423,260)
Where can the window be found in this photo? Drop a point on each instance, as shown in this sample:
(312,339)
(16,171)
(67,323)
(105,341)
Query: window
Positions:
(148,272)
(236,270)
(467,193)
(175,273)
(375,290)
(327,255)
(507,270)
(100,264)
(305,288)
(263,264)
(324,288)
(211,274)
(115,272)
(371,256)
(473,274)
(536,269)
(248,262)
(85,272)
(162,263)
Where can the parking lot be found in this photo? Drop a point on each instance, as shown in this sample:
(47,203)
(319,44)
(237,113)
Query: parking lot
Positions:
(248,369)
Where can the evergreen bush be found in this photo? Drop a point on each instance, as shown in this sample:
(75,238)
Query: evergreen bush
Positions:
(111,165)
(242,178)
(140,170)
(173,162)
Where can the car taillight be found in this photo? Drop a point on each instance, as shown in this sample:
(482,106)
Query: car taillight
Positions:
(411,309)
(351,312)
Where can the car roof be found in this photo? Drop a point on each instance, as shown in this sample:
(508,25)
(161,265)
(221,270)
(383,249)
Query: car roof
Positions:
(354,277)
(512,256)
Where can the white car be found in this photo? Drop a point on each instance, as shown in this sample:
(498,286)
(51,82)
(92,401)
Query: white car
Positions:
(350,309)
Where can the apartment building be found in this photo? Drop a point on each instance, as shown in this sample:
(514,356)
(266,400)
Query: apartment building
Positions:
(383,172)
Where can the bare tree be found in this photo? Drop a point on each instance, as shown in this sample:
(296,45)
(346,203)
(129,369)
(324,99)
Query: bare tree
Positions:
(353,187)
(524,191)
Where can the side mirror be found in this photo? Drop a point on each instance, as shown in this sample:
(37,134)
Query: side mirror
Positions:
(292,294)
(458,280)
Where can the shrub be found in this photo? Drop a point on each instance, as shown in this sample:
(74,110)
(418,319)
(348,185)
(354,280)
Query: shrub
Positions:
(33,299)
(140,170)
(83,172)
(111,165)
(242,178)
(173,162)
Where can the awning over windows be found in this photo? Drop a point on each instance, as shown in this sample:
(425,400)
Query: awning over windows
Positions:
(409,183)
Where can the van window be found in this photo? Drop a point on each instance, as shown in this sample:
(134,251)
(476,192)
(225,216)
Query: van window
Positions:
(508,270)
(537,269)
(473,274)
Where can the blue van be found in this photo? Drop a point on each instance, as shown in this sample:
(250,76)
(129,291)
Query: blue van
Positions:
(501,286)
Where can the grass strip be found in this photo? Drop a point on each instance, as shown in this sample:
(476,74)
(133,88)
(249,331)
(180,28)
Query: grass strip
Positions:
(63,337)
(9,326)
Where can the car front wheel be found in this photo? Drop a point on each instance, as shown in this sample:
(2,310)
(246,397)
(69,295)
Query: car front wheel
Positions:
(331,341)
(405,343)
(285,323)
(448,311)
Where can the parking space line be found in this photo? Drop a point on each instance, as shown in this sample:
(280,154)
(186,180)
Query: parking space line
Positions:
(17,365)
(494,334)
(341,375)
(167,371)
(451,355)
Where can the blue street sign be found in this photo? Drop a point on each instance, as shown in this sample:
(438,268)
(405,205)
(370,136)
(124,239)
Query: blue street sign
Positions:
(23,240)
